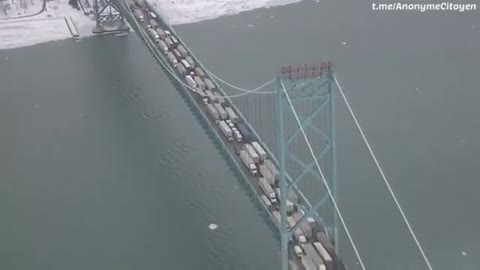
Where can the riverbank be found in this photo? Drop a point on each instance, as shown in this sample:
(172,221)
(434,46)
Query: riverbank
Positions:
(27,26)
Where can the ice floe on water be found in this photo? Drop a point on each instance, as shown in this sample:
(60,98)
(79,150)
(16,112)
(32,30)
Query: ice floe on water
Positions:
(213,226)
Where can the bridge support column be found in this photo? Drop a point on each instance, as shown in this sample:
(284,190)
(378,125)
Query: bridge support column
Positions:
(308,89)
(108,17)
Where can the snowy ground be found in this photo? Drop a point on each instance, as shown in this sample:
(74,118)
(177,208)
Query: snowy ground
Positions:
(12,8)
(50,25)
(189,11)
(47,26)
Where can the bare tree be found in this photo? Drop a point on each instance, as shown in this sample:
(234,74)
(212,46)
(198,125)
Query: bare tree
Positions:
(24,5)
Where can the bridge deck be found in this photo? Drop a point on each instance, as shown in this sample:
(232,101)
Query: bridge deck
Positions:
(197,103)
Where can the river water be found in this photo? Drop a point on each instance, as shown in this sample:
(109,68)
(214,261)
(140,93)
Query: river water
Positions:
(103,166)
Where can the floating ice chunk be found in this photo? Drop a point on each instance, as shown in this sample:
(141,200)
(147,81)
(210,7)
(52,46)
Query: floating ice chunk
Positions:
(464,253)
(344,43)
(213,226)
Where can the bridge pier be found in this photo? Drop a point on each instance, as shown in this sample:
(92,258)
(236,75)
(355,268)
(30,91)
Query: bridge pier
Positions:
(108,17)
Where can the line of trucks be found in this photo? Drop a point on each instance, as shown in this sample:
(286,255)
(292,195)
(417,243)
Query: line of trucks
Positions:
(314,250)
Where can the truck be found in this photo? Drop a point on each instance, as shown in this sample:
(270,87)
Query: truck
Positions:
(313,255)
(221,111)
(298,251)
(308,263)
(169,43)
(299,236)
(266,188)
(210,95)
(153,24)
(190,81)
(190,61)
(247,161)
(182,50)
(139,15)
(230,123)
(213,112)
(232,115)
(238,136)
(201,93)
(162,33)
(261,153)
(209,84)
(181,69)
(266,201)
(226,130)
(171,58)
(220,98)
(245,131)
(272,168)
(292,196)
(186,64)
(153,34)
(327,244)
(163,47)
(291,222)
(265,172)
(306,228)
(174,39)
(199,71)
(177,54)
(153,15)
(200,83)
(327,259)
(251,152)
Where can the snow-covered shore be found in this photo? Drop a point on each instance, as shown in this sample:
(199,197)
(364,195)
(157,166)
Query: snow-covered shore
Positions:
(47,26)
(190,11)
(50,25)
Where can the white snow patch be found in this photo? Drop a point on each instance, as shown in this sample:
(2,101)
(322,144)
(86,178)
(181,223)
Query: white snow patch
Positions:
(213,226)
(47,26)
(50,25)
(344,43)
(190,11)
(464,253)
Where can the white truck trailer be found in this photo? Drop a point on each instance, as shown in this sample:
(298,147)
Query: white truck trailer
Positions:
(232,115)
(221,111)
(265,172)
(267,189)
(226,130)
(199,71)
(171,58)
(209,84)
(271,166)
(190,60)
(213,112)
(252,153)
(200,83)
(247,161)
(139,15)
(259,149)
(163,47)
(182,50)
(181,69)
(190,81)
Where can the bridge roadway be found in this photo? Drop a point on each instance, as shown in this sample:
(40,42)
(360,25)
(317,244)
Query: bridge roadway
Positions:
(228,148)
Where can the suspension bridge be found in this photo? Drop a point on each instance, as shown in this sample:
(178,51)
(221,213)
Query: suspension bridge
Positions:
(290,118)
